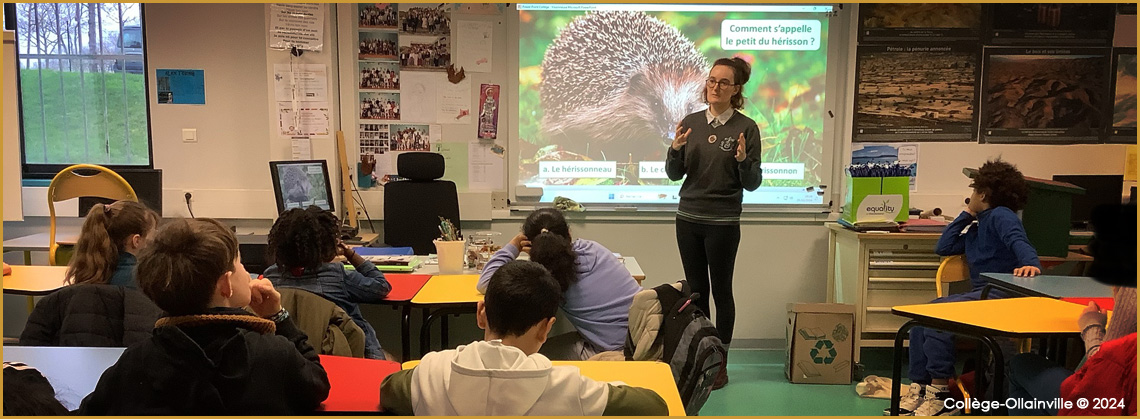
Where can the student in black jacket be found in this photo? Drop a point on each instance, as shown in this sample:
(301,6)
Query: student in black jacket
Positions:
(210,356)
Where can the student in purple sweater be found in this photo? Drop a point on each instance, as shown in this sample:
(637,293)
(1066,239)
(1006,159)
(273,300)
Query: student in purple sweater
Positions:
(597,289)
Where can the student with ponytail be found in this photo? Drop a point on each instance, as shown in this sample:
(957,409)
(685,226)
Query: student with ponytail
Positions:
(112,235)
(597,289)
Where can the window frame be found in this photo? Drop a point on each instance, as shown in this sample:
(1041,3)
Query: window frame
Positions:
(49,170)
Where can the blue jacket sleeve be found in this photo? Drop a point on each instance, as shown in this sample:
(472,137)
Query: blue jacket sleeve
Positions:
(1014,238)
(500,258)
(366,284)
(953,242)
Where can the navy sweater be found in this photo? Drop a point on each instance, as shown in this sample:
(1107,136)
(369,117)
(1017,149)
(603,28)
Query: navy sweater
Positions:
(994,242)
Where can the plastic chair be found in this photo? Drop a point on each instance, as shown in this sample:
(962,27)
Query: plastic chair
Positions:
(68,184)
(952,269)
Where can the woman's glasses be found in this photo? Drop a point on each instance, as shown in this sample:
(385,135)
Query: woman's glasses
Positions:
(719,84)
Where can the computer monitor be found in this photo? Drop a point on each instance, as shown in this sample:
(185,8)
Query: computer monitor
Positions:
(301,183)
(147,184)
(1099,190)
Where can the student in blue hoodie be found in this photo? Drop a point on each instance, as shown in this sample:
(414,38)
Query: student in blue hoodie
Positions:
(991,236)
(304,243)
(596,286)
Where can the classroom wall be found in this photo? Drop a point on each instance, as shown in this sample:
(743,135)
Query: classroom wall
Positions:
(782,258)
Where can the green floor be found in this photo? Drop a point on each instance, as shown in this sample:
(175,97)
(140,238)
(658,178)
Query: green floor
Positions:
(757,386)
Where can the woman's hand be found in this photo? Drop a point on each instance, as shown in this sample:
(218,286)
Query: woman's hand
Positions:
(1027,270)
(263,299)
(681,138)
(740,151)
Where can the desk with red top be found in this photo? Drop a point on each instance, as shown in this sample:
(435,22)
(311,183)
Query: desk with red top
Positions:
(74,372)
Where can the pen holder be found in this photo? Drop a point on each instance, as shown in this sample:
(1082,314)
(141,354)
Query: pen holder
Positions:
(450,256)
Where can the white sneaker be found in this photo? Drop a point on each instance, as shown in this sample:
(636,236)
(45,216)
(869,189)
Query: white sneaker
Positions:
(910,400)
(935,405)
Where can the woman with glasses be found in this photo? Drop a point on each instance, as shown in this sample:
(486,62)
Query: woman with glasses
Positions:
(718,152)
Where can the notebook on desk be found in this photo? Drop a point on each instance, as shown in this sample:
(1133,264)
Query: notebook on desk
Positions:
(392,263)
(383,251)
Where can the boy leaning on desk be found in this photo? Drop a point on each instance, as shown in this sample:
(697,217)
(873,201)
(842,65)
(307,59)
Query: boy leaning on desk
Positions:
(991,236)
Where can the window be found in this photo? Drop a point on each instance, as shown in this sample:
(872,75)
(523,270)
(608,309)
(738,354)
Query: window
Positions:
(82,77)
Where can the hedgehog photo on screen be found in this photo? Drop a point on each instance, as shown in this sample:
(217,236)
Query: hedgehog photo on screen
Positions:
(616,83)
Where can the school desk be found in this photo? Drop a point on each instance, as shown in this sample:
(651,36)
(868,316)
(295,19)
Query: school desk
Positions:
(634,268)
(74,372)
(34,281)
(1048,286)
(39,242)
(445,295)
(355,383)
(1027,317)
(652,375)
(404,288)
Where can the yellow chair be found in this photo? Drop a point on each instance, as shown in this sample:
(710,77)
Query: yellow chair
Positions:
(67,184)
(952,269)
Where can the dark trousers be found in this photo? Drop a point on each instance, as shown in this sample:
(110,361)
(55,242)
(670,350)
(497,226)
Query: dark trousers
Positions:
(1032,377)
(708,254)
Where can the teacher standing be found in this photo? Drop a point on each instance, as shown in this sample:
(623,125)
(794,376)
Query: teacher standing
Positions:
(718,152)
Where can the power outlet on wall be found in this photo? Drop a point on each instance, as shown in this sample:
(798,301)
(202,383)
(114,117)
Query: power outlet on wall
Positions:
(188,195)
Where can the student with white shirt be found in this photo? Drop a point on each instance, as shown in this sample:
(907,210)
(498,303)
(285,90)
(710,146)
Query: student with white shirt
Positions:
(718,152)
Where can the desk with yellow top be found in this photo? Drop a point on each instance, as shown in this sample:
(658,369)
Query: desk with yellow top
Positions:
(1028,317)
(652,375)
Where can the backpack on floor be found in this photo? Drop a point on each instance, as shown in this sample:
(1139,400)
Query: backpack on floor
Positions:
(686,340)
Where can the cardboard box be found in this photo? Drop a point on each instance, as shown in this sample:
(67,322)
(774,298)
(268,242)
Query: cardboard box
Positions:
(820,343)
(871,199)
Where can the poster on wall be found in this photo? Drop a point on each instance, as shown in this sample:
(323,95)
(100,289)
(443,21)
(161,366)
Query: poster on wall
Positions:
(453,105)
(894,22)
(473,46)
(480,8)
(374,138)
(303,118)
(297,25)
(425,18)
(1123,129)
(901,153)
(432,53)
(908,91)
(410,137)
(1045,95)
(384,106)
(181,87)
(377,16)
(302,82)
(379,76)
(1051,24)
(488,111)
(377,45)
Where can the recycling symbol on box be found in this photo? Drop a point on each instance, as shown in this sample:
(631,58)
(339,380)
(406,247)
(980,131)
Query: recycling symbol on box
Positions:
(819,355)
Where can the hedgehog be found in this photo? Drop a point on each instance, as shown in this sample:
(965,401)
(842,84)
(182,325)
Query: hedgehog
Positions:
(620,80)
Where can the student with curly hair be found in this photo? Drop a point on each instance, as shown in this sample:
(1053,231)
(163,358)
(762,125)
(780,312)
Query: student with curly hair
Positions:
(991,236)
(304,243)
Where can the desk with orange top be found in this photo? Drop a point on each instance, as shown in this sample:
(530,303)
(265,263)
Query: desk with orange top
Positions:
(652,375)
(441,296)
(1027,317)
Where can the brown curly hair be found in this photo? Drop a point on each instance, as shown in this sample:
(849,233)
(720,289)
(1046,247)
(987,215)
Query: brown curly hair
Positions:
(304,238)
(1002,184)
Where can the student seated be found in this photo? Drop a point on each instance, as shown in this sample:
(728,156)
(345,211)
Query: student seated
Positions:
(304,243)
(991,236)
(111,237)
(504,375)
(1108,374)
(597,289)
(209,356)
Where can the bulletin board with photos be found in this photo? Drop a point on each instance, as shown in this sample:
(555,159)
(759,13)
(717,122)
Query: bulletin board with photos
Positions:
(1022,73)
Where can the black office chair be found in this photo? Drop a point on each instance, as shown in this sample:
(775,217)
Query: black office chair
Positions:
(412,207)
